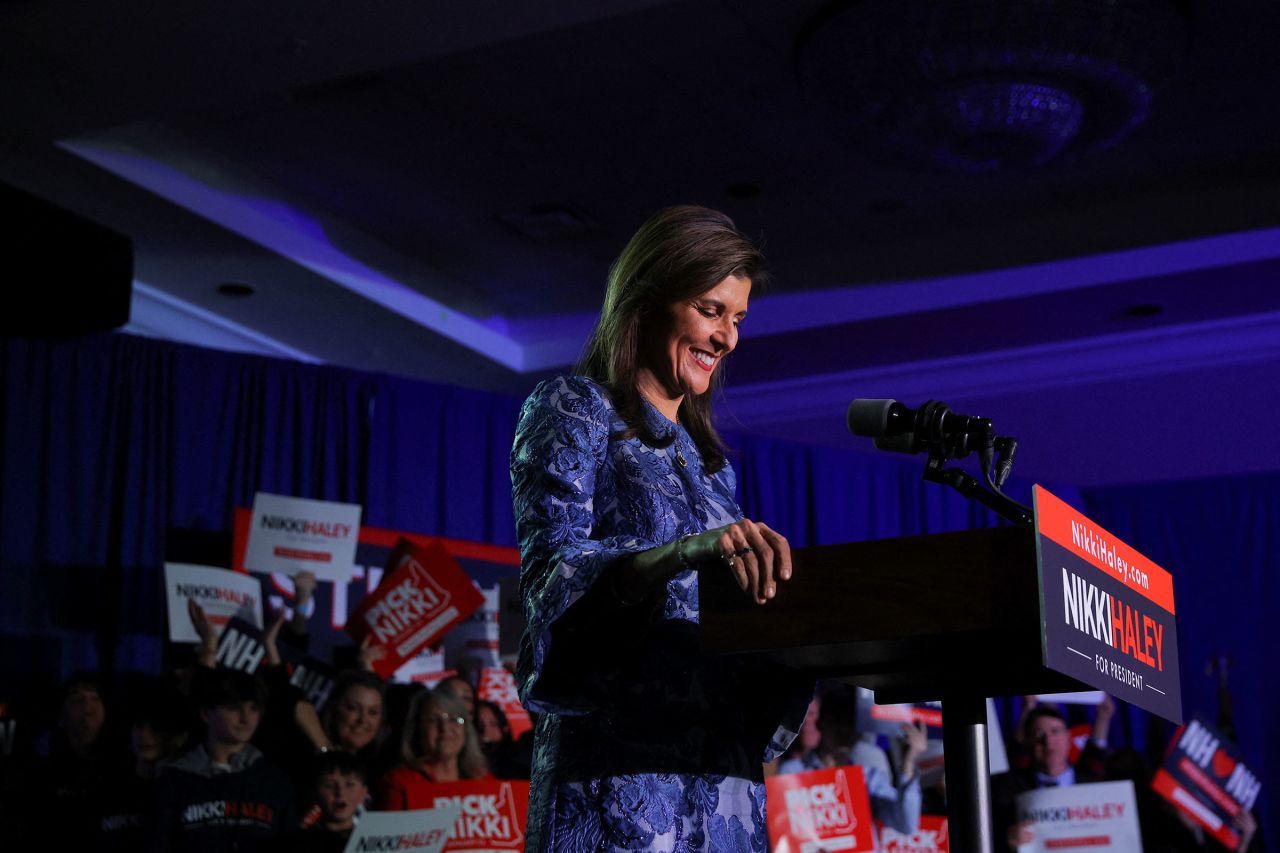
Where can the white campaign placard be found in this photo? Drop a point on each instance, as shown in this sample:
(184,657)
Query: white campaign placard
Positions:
(221,593)
(418,831)
(291,535)
(1099,816)
(426,667)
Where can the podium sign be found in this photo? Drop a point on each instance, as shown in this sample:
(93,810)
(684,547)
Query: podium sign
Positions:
(1107,612)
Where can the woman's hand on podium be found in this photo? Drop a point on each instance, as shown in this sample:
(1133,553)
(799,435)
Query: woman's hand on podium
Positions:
(757,555)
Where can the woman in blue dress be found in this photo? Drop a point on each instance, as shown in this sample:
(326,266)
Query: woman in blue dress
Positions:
(622,496)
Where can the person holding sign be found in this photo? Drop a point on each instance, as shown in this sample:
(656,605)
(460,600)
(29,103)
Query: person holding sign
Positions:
(896,804)
(623,495)
(1048,739)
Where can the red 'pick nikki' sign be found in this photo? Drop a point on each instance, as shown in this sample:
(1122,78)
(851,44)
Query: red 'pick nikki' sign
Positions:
(423,594)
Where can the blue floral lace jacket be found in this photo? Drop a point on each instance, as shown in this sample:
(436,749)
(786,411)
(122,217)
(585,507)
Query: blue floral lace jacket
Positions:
(644,743)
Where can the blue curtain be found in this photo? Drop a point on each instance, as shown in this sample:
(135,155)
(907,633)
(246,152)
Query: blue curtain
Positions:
(109,441)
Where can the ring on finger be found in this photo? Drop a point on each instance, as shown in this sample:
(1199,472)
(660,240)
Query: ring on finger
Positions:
(743,551)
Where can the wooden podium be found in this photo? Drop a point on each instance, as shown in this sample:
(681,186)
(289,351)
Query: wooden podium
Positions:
(950,616)
(913,618)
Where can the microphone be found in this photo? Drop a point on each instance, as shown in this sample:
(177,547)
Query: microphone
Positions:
(935,429)
(878,418)
(1007,448)
(902,430)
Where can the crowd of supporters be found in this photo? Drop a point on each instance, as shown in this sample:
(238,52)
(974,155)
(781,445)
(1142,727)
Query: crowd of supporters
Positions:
(210,758)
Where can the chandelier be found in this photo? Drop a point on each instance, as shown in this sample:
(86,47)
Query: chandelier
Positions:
(986,85)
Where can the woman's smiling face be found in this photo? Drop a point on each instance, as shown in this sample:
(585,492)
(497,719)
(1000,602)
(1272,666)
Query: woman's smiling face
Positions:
(357,717)
(681,351)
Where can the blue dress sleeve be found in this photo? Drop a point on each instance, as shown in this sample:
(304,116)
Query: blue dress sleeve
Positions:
(560,446)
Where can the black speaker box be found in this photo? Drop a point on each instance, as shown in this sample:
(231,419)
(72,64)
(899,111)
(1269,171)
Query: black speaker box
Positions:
(63,275)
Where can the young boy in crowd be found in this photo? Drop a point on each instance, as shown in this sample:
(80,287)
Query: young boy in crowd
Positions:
(221,795)
(341,789)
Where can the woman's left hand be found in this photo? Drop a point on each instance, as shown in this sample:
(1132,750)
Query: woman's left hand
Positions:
(758,556)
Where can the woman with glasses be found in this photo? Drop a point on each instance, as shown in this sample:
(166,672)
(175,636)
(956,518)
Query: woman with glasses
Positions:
(439,745)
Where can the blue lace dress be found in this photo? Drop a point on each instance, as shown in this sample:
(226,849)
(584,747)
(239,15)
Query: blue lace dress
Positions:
(644,743)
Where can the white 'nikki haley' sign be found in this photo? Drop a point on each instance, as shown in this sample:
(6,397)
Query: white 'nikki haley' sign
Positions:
(1102,816)
(291,535)
(221,593)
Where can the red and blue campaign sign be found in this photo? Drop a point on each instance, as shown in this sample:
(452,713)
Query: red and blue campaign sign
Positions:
(424,594)
(889,719)
(930,837)
(498,685)
(819,810)
(493,813)
(1204,777)
(1107,611)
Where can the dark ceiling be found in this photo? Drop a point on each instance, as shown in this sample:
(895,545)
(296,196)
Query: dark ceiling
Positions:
(436,190)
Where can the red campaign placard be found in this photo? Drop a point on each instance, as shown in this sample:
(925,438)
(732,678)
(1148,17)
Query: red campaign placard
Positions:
(931,837)
(819,809)
(494,814)
(423,594)
(497,685)
(1204,777)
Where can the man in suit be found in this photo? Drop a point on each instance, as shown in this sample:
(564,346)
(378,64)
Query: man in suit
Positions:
(1047,737)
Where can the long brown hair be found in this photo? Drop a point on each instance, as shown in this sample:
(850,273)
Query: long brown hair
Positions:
(678,254)
(471,761)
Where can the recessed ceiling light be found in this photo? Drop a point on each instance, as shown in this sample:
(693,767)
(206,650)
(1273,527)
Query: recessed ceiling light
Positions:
(235,289)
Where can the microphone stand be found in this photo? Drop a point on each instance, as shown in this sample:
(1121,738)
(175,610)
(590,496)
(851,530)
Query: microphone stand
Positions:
(964,732)
(968,485)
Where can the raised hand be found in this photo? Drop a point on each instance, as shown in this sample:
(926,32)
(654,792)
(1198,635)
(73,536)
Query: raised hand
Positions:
(204,629)
(304,586)
(269,635)
(207,654)
(369,653)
